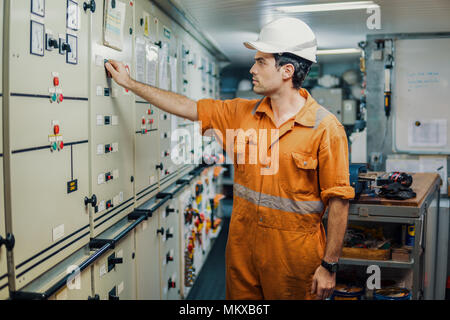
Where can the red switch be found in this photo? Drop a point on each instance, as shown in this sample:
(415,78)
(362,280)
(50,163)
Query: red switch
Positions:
(61,98)
(150,121)
(61,145)
(56,81)
(56,129)
(143,121)
(166,153)
(145,131)
(149,111)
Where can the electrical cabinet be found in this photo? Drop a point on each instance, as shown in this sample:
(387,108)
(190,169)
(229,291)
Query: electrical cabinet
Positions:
(114,274)
(3,263)
(48,135)
(330,99)
(147,136)
(111,116)
(147,257)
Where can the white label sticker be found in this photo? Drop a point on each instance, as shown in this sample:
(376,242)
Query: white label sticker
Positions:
(100,149)
(102,270)
(120,288)
(115,147)
(101,178)
(58,90)
(54,73)
(99,61)
(51,138)
(99,120)
(58,232)
(99,90)
(120,196)
(101,206)
(115,120)
(51,90)
(59,138)
(116,173)
(116,200)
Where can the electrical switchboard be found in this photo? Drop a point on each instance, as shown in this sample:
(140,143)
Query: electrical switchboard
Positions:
(3,262)
(111,116)
(146,61)
(48,134)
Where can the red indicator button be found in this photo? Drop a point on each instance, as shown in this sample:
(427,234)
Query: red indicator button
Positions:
(150,121)
(56,81)
(56,129)
(143,121)
(149,111)
(61,98)
(61,145)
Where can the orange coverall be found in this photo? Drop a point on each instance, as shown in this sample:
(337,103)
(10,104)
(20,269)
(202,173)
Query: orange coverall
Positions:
(276,238)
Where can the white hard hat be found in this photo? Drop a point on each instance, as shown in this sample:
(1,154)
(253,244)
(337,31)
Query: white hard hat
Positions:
(286,35)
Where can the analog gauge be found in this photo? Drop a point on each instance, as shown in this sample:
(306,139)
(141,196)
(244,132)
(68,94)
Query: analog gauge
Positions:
(38,7)
(72,15)
(37,38)
(72,55)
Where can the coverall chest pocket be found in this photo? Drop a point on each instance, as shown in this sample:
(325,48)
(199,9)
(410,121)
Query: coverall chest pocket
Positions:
(298,172)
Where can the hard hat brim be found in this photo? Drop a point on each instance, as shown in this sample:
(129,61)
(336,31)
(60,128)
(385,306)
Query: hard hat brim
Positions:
(267,48)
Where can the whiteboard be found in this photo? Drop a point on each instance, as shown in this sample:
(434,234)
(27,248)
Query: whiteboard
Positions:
(421,96)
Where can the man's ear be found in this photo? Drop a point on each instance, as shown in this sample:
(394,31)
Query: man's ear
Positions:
(288,71)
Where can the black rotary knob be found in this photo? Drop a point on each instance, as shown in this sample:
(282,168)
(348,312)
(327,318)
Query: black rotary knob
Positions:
(90,5)
(92,200)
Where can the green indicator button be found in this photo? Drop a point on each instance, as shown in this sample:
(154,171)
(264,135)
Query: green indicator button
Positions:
(54,97)
(54,146)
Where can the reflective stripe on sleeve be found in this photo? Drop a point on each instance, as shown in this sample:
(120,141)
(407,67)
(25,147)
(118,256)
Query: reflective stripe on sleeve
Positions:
(278,203)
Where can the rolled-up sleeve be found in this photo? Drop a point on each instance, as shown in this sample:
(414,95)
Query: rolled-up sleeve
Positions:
(218,115)
(334,178)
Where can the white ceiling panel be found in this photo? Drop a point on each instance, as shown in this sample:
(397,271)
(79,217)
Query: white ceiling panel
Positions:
(231,22)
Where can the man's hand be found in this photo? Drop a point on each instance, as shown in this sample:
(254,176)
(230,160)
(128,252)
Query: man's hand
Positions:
(119,73)
(323,283)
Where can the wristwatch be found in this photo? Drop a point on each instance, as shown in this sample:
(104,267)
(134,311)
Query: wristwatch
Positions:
(331,267)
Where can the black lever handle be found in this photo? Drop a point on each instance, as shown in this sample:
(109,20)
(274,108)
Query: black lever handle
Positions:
(169,235)
(96,297)
(113,297)
(161,230)
(159,44)
(90,6)
(160,166)
(92,200)
(66,47)
(169,210)
(8,242)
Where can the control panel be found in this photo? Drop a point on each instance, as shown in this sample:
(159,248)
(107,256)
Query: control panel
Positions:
(111,115)
(147,134)
(48,133)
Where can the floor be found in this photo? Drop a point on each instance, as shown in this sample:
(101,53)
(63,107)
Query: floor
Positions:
(210,283)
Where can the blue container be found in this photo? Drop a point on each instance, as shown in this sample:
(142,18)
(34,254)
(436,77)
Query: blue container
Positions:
(410,235)
(344,292)
(396,294)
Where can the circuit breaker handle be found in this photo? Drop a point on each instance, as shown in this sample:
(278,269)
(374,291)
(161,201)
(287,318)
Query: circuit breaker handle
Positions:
(92,200)
(90,6)
(160,166)
(161,230)
(8,242)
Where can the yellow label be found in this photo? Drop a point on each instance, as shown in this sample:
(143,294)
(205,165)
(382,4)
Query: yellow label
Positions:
(411,231)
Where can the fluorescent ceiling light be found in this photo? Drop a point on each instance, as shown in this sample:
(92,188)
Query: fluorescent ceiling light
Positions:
(336,6)
(338,51)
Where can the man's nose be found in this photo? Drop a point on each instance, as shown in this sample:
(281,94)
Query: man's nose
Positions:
(252,70)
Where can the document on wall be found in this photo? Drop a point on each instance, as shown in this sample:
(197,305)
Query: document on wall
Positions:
(151,55)
(114,19)
(173,73)
(163,67)
(427,133)
(140,59)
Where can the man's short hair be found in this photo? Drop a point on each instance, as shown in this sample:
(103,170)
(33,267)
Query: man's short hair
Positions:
(301,66)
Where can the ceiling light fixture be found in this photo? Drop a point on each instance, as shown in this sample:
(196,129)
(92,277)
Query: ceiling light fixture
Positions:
(337,6)
(339,51)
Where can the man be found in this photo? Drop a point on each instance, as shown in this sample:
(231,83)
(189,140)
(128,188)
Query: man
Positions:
(276,246)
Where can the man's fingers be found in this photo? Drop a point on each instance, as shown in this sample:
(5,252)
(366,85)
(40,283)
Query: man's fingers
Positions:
(114,63)
(314,286)
(110,69)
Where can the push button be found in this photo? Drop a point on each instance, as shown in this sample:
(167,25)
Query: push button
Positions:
(61,145)
(54,97)
(60,98)
(56,129)
(54,146)
(56,81)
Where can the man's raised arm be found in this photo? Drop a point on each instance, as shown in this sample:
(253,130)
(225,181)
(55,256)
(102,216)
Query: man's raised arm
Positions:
(171,102)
